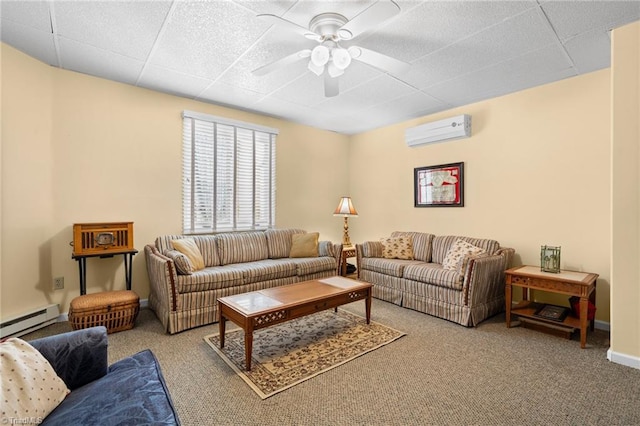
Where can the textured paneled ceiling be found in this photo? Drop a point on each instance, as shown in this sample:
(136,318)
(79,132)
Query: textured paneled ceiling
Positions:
(460,51)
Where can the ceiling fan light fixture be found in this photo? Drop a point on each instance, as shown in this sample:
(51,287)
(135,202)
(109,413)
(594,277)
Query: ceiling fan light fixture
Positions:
(316,69)
(355,52)
(320,56)
(344,34)
(334,71)
(341,58)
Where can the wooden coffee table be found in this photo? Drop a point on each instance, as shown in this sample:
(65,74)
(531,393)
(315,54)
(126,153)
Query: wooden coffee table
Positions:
(264,308)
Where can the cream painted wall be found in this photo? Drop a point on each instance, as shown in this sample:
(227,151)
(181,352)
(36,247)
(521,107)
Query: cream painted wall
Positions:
(82,149)
(625,200)
(27,198)
(536,172)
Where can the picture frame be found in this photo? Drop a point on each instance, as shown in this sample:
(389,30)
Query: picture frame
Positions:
(439,186)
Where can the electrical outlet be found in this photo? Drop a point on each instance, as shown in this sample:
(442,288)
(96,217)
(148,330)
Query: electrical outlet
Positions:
(58,283)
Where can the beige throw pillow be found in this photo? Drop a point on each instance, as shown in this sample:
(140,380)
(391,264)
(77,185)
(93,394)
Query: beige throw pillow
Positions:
(188,247)
(304,245)
(30,386)
(182,262)
(458,255)
(398,247)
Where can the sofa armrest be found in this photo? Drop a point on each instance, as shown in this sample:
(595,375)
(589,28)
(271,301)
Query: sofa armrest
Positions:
(508,254)
(163,279)
(484,280)
(367,249)
(78,357)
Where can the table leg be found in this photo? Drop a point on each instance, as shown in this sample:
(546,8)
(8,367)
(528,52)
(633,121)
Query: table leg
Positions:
(222,326)
(367,306)
(507,298)
(584,305)
(128,260)
(592,299)
(82,268)
(248,347)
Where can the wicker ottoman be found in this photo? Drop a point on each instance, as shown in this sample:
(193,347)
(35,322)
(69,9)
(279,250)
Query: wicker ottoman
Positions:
(116,310)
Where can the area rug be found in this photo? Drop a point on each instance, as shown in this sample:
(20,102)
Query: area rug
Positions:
(292,352)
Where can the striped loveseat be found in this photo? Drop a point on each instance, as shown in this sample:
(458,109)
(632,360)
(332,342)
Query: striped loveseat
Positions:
(234,263)
(467,294)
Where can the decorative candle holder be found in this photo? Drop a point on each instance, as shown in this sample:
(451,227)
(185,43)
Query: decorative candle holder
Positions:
(550,259)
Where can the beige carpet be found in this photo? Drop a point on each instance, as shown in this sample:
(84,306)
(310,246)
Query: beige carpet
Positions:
(292,352)
(440,373)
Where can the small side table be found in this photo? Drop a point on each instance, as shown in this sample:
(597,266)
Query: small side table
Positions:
(82,266)
(571,283)
(348,251)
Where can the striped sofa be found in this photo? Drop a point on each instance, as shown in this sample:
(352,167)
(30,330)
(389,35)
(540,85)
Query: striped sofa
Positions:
(466,297)
(234,263)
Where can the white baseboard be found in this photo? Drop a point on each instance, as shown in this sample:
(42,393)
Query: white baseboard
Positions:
(144,303)
(602,325)
(626,360)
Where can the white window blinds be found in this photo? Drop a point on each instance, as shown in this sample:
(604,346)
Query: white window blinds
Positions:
(228,172)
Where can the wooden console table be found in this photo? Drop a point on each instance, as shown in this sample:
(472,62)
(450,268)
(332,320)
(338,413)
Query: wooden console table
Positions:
(82,265)
(571,283)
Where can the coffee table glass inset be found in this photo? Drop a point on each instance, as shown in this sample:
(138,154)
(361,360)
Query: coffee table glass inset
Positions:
(264,308)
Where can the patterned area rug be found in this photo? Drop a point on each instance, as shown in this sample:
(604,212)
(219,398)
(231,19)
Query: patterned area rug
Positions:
(292,352)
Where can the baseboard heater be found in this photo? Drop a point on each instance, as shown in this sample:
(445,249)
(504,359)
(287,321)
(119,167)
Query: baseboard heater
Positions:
(30,321)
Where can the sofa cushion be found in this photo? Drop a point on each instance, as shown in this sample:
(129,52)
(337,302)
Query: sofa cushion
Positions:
(304,245)
(133,392)
(206,244)
(311,265)
(441,245)
(163,243)
(326,248)
(188,247)
(279,241)
(85,354)
(208,248)
(421,244)
(30,386)
(435,274)
(215,277)
(458,253)
(267,269)
(182,262)
(400,247)
(372,249)
(393,267)
(242,247)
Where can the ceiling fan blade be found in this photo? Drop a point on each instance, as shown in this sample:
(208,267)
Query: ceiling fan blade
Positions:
(368,19)
(282,62)
(331,87)
(378,60)
(276,20)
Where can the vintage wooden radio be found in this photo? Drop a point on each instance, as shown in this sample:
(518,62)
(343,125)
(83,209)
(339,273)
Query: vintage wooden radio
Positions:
(102,238)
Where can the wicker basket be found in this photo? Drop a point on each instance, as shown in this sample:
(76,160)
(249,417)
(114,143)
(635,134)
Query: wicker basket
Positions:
(116,310)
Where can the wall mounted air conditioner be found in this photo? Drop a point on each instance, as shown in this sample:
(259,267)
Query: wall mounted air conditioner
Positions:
(438,131)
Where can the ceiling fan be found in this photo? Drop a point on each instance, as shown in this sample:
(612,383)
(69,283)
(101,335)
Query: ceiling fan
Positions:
(329,57)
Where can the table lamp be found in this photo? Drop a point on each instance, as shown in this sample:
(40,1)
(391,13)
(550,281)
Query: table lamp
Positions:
(345,208)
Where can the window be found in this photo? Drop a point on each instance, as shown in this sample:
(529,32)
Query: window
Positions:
(228,170)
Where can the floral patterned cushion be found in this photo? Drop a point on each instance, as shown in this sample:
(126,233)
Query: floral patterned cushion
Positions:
(397,247)
(458,255)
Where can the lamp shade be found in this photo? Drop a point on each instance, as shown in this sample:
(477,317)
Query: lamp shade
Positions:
(345,208)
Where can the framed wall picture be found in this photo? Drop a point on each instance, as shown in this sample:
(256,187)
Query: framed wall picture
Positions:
(439,186)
